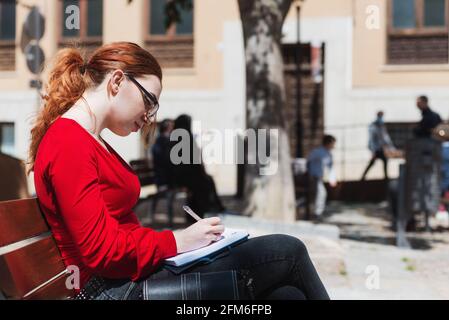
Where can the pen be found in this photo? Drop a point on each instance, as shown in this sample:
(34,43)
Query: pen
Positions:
(190,211)
(197,218)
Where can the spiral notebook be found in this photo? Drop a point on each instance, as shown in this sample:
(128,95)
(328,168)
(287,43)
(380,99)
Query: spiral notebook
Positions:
(228,238)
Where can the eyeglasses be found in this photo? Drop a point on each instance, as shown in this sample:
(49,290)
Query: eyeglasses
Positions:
(149,99)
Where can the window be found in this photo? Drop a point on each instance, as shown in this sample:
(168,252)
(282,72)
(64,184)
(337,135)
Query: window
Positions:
(404,14)
(418,32)
(8,20)
(7,35)
(172,46)
(90,33)
(7,138)
(434,13)
(157,24)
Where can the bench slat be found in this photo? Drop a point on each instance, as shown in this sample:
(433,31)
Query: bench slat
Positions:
(54,291)
(25,269)
(20,219)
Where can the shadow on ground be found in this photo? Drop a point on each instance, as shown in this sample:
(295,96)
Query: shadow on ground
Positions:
(371,223)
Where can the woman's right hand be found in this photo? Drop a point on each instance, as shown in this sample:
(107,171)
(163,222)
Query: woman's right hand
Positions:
(199,234)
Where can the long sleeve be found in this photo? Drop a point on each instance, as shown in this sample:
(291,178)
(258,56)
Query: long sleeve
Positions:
(386,138)
(372,139)
(105,248)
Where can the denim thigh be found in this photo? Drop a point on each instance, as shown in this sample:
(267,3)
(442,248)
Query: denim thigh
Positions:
(120,289)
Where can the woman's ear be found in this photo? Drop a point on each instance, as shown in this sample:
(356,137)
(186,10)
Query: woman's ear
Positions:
(116,80)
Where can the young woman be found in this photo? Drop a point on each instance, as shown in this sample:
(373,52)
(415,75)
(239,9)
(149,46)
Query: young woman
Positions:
(87,191)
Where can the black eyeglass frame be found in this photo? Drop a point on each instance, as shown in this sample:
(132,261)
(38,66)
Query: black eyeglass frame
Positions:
(148,95)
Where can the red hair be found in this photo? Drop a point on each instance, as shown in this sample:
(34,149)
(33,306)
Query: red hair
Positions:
(72,75)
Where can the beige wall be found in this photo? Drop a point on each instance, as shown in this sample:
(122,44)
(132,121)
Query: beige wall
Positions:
(369,57)
(322,8)
(124,22)
(207,73)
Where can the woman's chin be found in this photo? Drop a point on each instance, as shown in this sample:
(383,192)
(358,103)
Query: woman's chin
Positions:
(126,133)
(122,133)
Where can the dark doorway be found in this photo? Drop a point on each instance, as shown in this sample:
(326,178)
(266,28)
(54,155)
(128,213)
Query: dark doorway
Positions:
(310,116)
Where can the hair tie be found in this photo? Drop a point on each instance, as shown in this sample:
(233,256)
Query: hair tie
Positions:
(83,68)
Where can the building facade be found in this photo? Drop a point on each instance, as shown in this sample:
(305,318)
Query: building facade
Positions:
(379,55)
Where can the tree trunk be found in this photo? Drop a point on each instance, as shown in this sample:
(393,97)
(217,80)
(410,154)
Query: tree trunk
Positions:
(268,196)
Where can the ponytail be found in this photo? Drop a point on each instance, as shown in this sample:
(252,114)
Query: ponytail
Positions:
(65,86)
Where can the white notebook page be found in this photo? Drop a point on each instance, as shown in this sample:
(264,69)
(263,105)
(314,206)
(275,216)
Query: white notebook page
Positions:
(229,236)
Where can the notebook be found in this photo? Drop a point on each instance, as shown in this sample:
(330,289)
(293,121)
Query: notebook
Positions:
(228,238)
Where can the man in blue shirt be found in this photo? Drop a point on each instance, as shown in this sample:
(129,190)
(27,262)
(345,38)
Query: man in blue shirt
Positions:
(379,140)
(319,159)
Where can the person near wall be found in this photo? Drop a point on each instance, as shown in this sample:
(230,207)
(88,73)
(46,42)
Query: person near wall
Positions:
(318,161)
(87,191)
(163,168)
(429,121)
(379,142)
(190,172)
(424,133)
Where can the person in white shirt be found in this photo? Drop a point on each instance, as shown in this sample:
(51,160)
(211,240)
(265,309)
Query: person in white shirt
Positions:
(319,159)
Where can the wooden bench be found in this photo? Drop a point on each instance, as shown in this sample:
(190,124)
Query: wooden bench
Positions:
(31,266)
(145,173)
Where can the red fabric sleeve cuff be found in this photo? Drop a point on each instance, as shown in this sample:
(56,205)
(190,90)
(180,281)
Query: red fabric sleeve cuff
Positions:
(170,246)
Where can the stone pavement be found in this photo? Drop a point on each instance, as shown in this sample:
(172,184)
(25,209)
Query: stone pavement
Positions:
(352,245)
(367,242)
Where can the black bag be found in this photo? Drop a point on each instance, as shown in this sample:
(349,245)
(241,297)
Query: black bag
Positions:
(223,285)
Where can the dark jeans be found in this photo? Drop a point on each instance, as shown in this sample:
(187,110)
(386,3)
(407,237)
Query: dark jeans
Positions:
(379,154)
(277,267)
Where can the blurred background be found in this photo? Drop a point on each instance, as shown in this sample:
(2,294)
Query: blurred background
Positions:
(343,62)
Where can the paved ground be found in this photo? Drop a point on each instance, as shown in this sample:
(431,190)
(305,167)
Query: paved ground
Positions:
(351,247)
(367,243)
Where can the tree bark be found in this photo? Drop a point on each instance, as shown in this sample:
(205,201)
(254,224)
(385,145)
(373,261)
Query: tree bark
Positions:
(268,196)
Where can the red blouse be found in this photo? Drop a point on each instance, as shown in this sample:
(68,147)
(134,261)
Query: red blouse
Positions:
(87,195)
